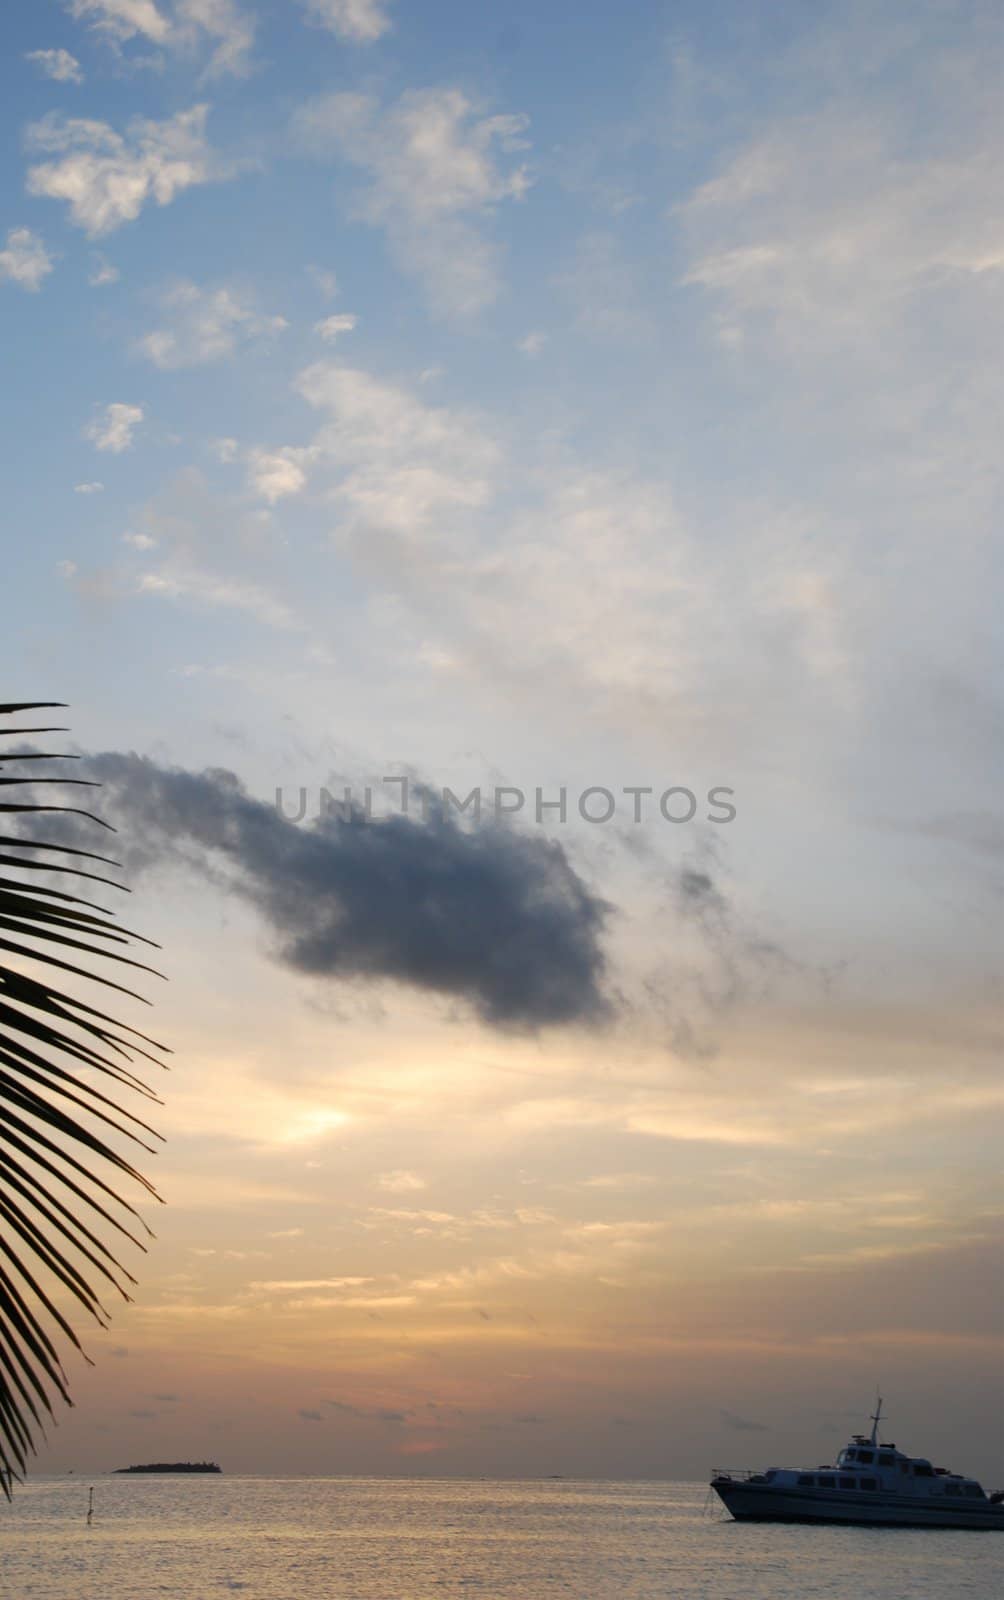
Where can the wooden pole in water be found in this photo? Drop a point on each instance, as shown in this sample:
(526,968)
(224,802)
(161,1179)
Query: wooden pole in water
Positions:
(90,1507)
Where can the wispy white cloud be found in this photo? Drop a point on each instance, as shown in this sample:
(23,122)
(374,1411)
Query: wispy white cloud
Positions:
(186,28)
(25,260)
(230,31)
(58,65)
(397,464)
(400,1181)
(102,272)
(331,327)
(88,488)
(326,281)
(434,173)
(823,228)
(219,592)
(106,178)
(122,19)
(112,428)
(601,284)
(205,325)
(359,20)
(274,474)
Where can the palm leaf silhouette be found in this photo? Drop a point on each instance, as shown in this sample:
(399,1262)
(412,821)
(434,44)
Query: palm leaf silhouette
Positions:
(58,1056)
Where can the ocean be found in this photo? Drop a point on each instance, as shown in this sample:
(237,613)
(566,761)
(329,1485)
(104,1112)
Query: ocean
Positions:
(200,1538)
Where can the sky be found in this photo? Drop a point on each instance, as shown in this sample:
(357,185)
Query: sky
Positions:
(595,411)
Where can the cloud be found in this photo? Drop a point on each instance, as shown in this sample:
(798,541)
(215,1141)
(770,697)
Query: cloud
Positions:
(204,325)
(57,64)
(331,327)
(359,20)
(487,915)
(192,24)
(274,474)
(326,281)
(310,1416)
(532,344)
(633,608)
(25,261)
(400,1182)
(113,427)
(106,178)
(122,19)
(211,590)
(222,22)
(979,831)
(742,1424)
(285,1285)
(367,1413)
(88,488)
(102,272)
(619,1181)
(399,464)
(434,173)
(825,230)
(603,288)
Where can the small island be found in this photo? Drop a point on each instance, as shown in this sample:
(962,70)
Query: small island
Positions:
(174,1466)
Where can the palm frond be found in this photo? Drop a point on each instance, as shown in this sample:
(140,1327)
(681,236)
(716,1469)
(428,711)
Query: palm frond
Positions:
(58,1056)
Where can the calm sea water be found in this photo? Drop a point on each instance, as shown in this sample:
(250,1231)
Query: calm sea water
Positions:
(408,1539)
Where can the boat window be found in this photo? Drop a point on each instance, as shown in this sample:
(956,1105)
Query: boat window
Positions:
(904,1466)
(827,1483)
(850,1455)
(952,1488)
(923,1469)
(866,1457)
(806,1478)
(869,1483)
(974,1491)
(847,1483)
(887,1461)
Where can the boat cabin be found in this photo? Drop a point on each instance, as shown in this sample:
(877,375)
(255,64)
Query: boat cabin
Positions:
(882,1469)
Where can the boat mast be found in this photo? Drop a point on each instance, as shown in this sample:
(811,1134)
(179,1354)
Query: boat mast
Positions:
(874,1418)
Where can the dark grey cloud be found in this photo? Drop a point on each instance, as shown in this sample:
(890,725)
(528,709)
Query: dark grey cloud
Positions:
(310,1416)
(488,915)
(377,1414)
(742,1424)
(979,831)
(736,965)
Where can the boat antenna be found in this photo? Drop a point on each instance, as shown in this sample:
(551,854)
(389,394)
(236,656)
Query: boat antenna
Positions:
(874,1418)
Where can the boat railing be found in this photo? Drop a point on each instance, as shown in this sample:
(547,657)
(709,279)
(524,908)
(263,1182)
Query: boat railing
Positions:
(737,1474)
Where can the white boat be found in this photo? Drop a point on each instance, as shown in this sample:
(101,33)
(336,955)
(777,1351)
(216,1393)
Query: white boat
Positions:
(871,1483)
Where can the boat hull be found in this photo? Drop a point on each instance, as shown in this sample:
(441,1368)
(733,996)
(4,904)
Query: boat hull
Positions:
(765,1503)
